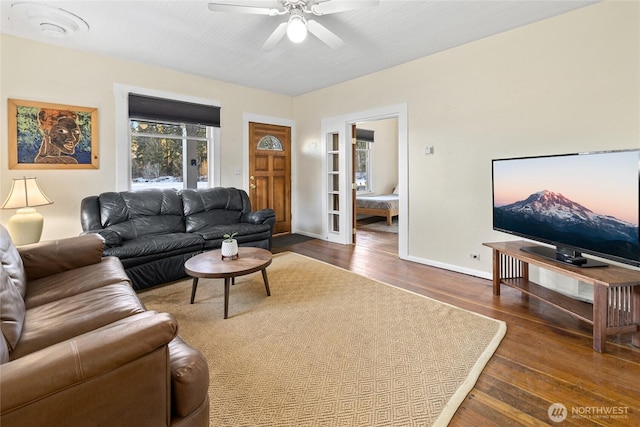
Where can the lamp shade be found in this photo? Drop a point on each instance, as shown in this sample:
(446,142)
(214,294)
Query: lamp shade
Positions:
(25,193)
(25,226)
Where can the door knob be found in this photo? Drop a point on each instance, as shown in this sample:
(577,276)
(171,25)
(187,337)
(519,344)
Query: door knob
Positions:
(252,186)
(252,177)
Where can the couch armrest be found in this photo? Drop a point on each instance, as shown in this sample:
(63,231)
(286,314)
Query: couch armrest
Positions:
(189,378)
(90,213)
(111,237)
(116,374)
(55,256)
(259,217)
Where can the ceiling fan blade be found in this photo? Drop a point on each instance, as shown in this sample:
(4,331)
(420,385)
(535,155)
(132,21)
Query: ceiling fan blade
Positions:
(335,6)
(239,8)
(324,34)
(275,37)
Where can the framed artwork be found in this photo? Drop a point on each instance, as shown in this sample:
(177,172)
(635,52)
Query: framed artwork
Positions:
(52,136)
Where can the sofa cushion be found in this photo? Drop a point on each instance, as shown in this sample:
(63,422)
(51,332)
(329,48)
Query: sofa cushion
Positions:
(133,214)
(245,231)
(73,282)
(60,320)
(12,311)
(213,206)
(160,244)
(12,262)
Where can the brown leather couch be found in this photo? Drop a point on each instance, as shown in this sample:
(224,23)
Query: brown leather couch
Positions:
(79,348)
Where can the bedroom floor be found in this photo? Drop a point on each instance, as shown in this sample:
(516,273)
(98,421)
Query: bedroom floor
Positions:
(370,232)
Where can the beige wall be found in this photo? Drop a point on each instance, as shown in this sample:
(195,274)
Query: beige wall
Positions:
(36,71)
(566,84)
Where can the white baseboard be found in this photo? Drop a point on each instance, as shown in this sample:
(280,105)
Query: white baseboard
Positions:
(451,267)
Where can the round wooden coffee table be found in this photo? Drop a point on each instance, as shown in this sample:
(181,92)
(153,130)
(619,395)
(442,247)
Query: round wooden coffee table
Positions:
(211,265)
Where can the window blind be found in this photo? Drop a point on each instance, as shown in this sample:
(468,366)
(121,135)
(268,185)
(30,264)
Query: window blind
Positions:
(168,110)
(364,135)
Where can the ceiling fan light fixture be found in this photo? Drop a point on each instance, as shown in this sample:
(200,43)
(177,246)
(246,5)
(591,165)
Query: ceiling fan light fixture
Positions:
(297,28)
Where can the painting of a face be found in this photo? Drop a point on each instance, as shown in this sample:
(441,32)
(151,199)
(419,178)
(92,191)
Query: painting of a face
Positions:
(52,136)
(65,135)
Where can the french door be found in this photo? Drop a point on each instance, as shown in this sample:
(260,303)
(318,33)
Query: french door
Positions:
(337,203)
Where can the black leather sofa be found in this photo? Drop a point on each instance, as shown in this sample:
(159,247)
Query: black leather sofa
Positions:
(154,231)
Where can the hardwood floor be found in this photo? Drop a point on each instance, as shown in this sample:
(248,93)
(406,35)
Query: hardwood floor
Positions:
(545,358)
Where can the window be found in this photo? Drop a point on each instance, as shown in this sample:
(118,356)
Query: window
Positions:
(363,166)
(170,142)
(270,142)
(364,151)
(169,155)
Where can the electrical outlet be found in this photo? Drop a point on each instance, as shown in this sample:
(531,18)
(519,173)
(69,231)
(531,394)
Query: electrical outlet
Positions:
(474,256)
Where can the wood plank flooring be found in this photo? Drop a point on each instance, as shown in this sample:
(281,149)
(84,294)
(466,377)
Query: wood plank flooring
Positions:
(546,356)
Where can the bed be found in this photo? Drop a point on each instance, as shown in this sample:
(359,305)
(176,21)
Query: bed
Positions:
(385,205)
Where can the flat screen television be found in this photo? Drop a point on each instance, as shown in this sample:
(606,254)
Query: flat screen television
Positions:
(579,203)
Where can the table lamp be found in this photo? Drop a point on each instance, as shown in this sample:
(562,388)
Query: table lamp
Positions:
(25,226)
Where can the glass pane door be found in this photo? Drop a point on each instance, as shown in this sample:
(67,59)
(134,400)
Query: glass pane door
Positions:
(333,183)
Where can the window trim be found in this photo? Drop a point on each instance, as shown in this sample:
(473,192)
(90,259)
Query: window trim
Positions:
(123,143)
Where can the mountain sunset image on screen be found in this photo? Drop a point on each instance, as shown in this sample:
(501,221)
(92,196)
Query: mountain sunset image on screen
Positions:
(585,201)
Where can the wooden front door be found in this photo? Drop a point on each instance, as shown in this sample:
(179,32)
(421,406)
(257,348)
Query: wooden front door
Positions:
(270,172)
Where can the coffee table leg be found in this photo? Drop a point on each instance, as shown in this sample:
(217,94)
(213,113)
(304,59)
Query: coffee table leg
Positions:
(266,281)
(193,289)
(227,282)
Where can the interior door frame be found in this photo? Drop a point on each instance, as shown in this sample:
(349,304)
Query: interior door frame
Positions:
(343,124)
(278,121)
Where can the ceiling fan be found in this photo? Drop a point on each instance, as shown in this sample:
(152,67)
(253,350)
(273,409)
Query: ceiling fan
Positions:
(297,25)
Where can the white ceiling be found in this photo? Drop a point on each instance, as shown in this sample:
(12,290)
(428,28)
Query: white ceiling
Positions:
(186,36)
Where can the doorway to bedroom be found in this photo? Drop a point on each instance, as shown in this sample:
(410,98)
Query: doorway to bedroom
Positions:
(339,187)
(376,177)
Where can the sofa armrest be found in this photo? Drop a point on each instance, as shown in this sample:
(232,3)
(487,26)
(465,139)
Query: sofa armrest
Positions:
(259,217)
(55,256)
(111,237)
(189,378)
(90,213)
(119,371)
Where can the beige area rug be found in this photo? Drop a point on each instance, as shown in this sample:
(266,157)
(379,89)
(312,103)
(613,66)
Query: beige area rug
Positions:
(329,348)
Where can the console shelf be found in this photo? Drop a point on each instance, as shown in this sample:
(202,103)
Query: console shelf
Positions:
(616,306)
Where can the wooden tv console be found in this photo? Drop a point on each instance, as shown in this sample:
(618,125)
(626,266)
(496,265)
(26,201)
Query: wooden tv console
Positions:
(616,290)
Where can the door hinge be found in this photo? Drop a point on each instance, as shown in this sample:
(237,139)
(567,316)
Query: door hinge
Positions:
(353,185)
(353,231)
